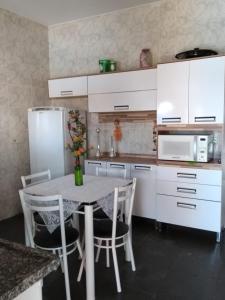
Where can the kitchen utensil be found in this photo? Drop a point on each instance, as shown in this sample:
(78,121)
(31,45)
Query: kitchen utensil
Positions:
(98,151)
(195,53)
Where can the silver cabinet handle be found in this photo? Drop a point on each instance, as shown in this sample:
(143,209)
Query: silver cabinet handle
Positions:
(117,166)
(186,205)
(205,119)
(66,93)
(171,120)
(187,175)
(94,163)
(143,168)
(121,107)
(186,190)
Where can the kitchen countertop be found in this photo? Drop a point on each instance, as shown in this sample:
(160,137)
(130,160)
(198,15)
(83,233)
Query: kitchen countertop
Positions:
(152,160)
(132,159)
(21,267)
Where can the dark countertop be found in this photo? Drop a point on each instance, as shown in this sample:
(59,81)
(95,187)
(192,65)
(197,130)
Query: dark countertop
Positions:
(132,159)
(21,267)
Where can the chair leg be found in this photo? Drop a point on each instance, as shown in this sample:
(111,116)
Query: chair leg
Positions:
(98,251)
(79,249)
(116,270)
(107,255)
(131,253)
(81,268)
(66,276)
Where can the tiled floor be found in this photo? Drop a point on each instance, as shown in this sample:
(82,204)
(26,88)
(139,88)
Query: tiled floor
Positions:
(176,264)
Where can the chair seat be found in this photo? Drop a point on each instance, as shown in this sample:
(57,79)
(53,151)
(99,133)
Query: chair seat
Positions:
(103,228)
(45,239)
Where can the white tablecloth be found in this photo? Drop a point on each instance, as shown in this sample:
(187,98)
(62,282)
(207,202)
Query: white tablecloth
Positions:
(95,189)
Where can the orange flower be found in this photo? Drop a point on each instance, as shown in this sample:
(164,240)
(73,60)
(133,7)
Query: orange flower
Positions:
(81,149)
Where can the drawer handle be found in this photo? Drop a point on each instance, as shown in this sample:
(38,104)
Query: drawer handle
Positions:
(121,107)
(205,119)
(187,175)
(186,190)
(142,168)
(171,120)
(186,205)
(94,163)
(66,93)
(117,166)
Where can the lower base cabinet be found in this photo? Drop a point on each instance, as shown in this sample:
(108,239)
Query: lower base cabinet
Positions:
(32,293)
(144,202)
(188,212)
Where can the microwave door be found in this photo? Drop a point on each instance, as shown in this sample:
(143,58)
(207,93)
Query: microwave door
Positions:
(176,147)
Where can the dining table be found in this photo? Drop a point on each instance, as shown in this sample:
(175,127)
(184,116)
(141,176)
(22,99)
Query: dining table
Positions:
(95,189)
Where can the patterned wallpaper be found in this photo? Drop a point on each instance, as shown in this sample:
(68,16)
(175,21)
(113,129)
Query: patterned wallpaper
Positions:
(24,70)
(166,27)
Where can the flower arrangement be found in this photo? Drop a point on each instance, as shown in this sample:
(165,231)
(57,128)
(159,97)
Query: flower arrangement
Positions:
(77,132)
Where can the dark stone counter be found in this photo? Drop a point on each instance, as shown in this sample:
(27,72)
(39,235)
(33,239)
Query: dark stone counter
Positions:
(21,267)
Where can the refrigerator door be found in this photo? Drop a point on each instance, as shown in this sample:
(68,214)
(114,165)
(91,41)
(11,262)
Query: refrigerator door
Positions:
(46,141)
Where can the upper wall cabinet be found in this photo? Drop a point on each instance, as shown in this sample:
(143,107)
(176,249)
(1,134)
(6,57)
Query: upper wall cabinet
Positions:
(191,91)
(67,87)
(206,90)
(126,91)
(172,93)
(122,82)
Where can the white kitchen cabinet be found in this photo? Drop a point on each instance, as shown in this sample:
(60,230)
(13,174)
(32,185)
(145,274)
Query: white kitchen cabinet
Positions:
(190,197)
(115,169)
(67,87)
(189,190)
(189,175)
(128,101)
(145,194)
(206,90)
(189,212)
(96,168)
(172,93)
(139,80)
(34,292)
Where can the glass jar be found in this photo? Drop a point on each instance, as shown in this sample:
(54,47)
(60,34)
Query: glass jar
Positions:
(78,173)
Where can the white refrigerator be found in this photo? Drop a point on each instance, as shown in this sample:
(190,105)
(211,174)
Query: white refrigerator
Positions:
(48,136)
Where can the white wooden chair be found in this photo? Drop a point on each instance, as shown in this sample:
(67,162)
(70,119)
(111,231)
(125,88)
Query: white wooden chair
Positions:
(112,234)
(35,178)
(63,241)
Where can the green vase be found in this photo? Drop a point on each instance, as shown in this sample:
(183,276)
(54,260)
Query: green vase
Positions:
(78,173)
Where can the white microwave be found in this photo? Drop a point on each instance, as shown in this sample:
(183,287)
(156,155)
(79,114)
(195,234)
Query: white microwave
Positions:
(197,148)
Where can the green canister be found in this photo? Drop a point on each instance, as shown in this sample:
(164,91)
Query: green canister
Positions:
(104,65)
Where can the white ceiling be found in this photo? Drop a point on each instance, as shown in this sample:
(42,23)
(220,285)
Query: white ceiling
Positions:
(49,12)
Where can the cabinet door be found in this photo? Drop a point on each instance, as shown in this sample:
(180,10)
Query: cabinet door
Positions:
(145,194)
(67,87)
(121,170)
(129,101)
(172,93)
(122,82)
(206,90)
(93,167)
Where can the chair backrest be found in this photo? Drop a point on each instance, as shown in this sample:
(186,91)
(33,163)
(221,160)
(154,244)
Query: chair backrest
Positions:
(35,178)
(123,197)
(32,204)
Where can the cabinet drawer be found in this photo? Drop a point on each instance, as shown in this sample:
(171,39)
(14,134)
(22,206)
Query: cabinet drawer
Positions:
(118,170)
(199,176)
(67,87)
(129,101)
(189,212)
(122,82)
(93,167)
(189,190)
